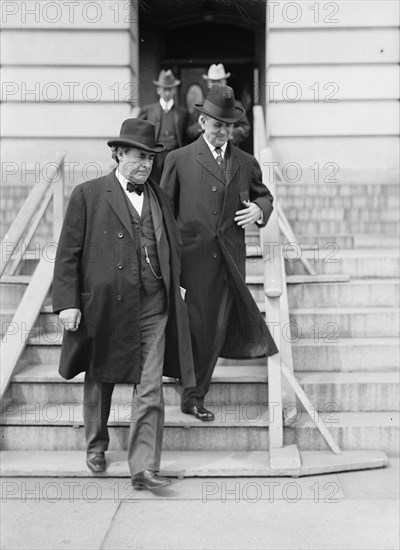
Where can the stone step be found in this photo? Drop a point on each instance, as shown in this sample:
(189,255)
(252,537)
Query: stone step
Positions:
(333,324)
(309,226)
(337,213)
(360,391)
(355,203)
(355,293)
(324,241)
(340,189)
(358,264)
(60,427)
(65,464)
(346,355)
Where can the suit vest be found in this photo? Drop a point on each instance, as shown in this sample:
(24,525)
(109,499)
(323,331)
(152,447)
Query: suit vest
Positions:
(166,134)
(152,286)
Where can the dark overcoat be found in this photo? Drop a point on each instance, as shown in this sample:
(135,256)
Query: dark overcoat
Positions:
(97,271)
(214,250)
(153,113)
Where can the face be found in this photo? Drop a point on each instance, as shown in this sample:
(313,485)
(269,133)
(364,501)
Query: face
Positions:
(134,164)
(216,132)
(166,93)
(212,83)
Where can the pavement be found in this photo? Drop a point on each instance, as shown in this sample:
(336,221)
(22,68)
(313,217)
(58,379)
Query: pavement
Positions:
(349,510)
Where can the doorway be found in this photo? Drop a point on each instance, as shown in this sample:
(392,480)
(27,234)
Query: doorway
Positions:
(195,34)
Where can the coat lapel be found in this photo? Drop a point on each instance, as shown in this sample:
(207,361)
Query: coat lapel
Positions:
(206,159)
(117,202)
(231,165)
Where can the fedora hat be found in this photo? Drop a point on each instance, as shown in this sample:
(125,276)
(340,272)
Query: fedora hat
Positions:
(166,79)
(139,134)
(220,104)
(216,72)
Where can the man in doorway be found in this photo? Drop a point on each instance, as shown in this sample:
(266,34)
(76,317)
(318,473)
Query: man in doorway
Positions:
(169,119)
(217,191)
(116,289)
(215,79)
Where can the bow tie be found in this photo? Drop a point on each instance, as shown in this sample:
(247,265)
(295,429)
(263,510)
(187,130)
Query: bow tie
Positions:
(135,187)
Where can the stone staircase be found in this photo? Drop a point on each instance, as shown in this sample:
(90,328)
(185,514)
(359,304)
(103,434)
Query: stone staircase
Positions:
(345,349)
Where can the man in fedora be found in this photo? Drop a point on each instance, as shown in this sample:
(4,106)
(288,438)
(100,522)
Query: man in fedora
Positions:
(169,119)
(116,288)
(217,192)
(215,79)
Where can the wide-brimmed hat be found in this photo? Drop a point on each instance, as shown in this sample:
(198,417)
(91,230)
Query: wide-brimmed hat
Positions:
(216,72)
(220,104)
(166,79)
(137,133)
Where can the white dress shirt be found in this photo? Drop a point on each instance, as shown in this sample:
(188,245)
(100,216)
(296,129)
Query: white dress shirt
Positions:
(166,105)
(212,148)
(136,200)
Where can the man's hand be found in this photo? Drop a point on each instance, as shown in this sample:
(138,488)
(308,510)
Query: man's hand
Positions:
(249,215)
(70,318)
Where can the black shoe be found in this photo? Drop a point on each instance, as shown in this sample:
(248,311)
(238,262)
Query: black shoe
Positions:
(149,480)
(200,412)
(96,462)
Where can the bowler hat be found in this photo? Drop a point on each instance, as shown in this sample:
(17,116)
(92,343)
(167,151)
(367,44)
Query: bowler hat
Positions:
(139,134)
(220,104)
(216,72)
(166,79)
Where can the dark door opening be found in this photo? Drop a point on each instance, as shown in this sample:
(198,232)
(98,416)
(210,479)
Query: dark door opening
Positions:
(193,35)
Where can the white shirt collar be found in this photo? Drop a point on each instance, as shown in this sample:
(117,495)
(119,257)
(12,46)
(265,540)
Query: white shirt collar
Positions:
(166,105)
(212,147)
(122,179)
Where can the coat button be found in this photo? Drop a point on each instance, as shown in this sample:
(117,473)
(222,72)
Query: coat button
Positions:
(215,255)
(120,235)
(215,212)
(119,297)
(213,188)
(120,266)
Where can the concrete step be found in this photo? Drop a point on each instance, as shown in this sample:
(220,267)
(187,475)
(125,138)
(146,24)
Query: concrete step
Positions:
(315,226)
(333,324)
(358,264)
(231,385)
(339,189)
(338,213)
(355,293)
(65,464)
(356,202)
(244,428)
(360,391)
(346,355)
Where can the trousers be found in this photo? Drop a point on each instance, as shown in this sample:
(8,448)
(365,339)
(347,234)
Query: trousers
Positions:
(147,403)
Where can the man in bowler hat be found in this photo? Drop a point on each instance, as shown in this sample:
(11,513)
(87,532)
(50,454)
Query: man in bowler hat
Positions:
(169,119)
(217,192)
(215,79)
(116,288)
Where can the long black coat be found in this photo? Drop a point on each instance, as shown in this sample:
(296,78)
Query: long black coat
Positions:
(95,271)
(214,251)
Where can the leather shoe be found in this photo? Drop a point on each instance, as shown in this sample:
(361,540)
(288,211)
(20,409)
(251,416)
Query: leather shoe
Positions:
(149,480)
(96,462)
(200,412)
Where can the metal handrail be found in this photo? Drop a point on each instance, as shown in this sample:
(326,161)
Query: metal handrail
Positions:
(14,339)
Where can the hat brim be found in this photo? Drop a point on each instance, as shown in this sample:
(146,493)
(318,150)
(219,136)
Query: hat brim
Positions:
(157,83)
(238,110)
(207,77)
(158,148)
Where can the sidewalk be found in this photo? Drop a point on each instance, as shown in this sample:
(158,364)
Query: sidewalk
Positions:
(351,510)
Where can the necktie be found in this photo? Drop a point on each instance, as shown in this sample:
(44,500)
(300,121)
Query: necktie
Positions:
(134,187)
(220,162)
